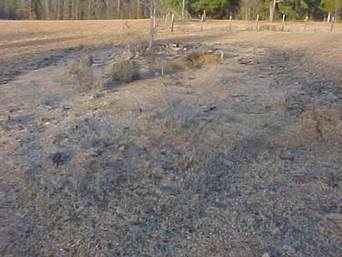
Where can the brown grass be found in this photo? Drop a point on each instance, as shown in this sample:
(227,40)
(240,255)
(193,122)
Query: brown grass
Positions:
(239,159)
(196,60)
(122,72)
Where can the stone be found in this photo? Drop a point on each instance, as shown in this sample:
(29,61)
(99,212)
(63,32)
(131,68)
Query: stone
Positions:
(121,147)
(275,231)
(304,179)
(95,166)
(228,163)
(328,178)
(60,158)
(287,155)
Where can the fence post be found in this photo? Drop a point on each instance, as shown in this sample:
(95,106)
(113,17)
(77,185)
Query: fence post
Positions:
(306,22)
(172,21)
(283,23)
(230,22)
(154,18)
(151,27)
(203,19)
(257,23)
(332,24)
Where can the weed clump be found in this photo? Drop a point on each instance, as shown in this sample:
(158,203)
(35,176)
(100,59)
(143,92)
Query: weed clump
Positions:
(196,60)
(86,59)
(84,64)
(83,70)
(121,72)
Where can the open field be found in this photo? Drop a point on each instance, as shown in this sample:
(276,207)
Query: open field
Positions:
(216,143)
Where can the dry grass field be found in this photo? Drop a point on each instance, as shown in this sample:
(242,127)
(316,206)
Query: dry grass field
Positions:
(217,142)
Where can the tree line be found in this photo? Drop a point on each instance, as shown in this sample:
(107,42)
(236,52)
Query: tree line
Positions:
(73,9)
(114,9)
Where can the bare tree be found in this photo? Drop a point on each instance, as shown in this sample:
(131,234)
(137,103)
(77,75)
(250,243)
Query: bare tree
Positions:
(272,9)
(47,9)
(58,9)
(138,9)
(118,8)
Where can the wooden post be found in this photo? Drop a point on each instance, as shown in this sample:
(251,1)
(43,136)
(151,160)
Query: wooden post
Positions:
(138,9)
(166,18)
(257,23)
(272,9)
(230,23)
(154,18)
(201,23)
(306,22)
(329,15)
(151,26)
(332,24)
(118,8)
(283,23)
(162,67)
(172,22)
(203,19)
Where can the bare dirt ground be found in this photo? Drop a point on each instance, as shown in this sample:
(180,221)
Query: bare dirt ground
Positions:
(239,156)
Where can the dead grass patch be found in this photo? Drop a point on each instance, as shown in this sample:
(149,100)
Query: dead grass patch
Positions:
(316,123)
(122,72)
(196,60)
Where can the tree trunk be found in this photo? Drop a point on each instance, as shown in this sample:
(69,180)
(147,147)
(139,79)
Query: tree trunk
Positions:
(272,9)
(72,9)
(151,25)
(47,9)
(61,10)
(118,9)
(77,14)
(58,9)
(66,9)
(75,9)
(89,11)
(138,9)
(29,6)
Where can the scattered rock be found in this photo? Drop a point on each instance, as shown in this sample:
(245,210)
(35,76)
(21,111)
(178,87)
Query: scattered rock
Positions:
(275,231)
(209,109)
(95,166)
(266,255)
(61,183)
(60,158)
(328,179)
(304,179)
(121,147)
(169,190)
(287,155)
(67,107)
(246,61)
(44,119)
(289,250)
(50,103)
(228,163)
(331,97)
(99,95)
